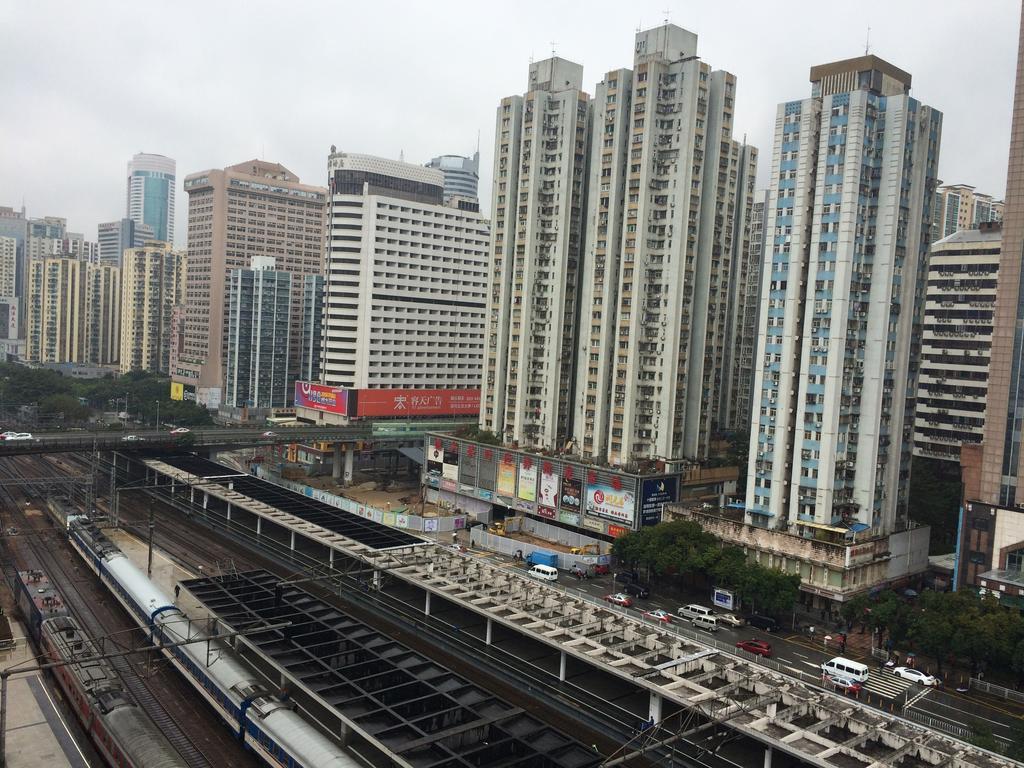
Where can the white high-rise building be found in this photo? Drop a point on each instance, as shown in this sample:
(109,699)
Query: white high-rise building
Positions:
(8,266)
(150,193)
(102,343)
(461,175)
(952,390)
(853,178)
(406,279)
(668,198)
(536,247)
(746,342)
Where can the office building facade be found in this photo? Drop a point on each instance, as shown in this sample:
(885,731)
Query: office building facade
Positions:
(847,231)
(14,224)
(311,338)
(461,176)
(537,233)
(150,194)
(963,273)
(235,214)
(259,322)
(8,266)
(406,280)
(115,237)
(152,290)
(102,327)
(959,206)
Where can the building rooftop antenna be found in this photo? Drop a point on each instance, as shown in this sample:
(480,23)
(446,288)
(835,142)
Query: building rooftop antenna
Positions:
(668,14)
(554,52)
(867,42)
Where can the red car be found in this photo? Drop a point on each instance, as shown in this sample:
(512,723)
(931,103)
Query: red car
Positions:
(756,647)
(620,598)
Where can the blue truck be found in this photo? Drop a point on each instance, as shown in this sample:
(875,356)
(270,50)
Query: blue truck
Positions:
(538,557)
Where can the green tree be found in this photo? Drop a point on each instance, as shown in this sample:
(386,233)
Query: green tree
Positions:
(63,405)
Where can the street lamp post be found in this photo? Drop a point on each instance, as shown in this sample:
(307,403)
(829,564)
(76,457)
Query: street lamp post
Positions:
(158,414)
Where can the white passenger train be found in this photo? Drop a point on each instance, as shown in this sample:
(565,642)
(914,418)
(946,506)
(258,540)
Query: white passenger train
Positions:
(268,724)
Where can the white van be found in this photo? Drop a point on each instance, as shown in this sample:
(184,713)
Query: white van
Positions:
(694,611)
(840,667)
(707,623)
(543,572)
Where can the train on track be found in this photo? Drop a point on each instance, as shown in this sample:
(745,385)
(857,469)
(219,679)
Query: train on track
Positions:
(263,718)
(121,731)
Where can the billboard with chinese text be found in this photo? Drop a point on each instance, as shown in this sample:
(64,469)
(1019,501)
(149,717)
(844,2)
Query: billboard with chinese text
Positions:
(321,398)
(604,500)
(416,402)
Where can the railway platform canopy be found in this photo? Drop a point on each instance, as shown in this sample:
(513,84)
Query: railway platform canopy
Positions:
(679,674)
(374,690)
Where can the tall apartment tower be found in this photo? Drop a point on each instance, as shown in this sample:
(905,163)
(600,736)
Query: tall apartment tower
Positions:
(14,224)
(669,194)
(102,344)
(251,209)
(259,319)
(152,289)
(8,266)
(311,339)
(963,278)
(746,341)
(461,175)
(1002,464)
(853,179)
(55,318)
(150,194)
(959,206)
(406,280)
(116,237)
(538,198)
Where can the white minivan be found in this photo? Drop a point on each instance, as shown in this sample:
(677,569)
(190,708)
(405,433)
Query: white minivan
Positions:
(707,623)
(543,572)
(693,611)
(840,667)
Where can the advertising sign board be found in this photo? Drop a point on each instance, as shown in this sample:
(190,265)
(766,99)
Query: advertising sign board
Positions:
(572,495)
(605,501)
(656,493)
(528,482)
(506,479)
(321,398)
(416,402)
(723,598)
(549,489)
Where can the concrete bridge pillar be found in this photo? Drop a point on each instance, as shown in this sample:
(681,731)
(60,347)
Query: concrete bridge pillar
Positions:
(768,757)
(655,707)
(488,638)
(561,667)
(344,460)
(426,607)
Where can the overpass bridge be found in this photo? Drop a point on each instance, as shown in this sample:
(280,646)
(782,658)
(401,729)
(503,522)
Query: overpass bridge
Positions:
(213,438)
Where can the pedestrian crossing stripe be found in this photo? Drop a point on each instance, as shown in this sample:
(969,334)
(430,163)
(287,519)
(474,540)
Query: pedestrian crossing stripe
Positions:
(889,686)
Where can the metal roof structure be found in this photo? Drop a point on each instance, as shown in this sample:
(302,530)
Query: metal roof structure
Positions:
(742,692)
(359,529)
(410,704)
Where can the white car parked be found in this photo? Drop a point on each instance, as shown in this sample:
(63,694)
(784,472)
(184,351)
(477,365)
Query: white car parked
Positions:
(20,436)
(915,675)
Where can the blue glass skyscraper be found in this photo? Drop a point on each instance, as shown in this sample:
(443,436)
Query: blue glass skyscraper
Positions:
(150,200)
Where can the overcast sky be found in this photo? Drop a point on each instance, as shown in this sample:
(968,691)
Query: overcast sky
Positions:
(85,85)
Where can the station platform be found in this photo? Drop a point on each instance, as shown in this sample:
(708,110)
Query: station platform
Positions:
(166,572)
(37,735)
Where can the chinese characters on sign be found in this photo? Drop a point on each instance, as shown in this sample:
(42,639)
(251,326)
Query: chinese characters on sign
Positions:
(416,402)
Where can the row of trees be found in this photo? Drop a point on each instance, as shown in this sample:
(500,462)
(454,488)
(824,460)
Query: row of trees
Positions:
(946,626)
(683,550)
(77,399)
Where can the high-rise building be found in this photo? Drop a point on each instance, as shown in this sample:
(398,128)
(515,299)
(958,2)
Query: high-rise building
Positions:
(746,341)
(1002,461)
(152,288)
(115,237)
(14,224)
(8,266)
(311,339)
(406,280)
(251,209)
(56,310)
(49,236)
(540,164)
(963,272)
(958,206)
(259,321)
(847,232)
(461,175)
(150,194)
(102,343)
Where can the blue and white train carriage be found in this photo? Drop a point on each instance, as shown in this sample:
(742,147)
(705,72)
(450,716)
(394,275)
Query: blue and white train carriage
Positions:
(269,725)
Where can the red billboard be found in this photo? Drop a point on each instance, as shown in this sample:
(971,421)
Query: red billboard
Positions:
(416,402)
(321,398)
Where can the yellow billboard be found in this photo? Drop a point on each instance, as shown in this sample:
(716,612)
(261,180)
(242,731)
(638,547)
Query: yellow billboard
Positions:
(177,391)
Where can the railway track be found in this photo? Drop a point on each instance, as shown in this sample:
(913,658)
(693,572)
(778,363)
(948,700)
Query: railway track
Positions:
(171,714)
